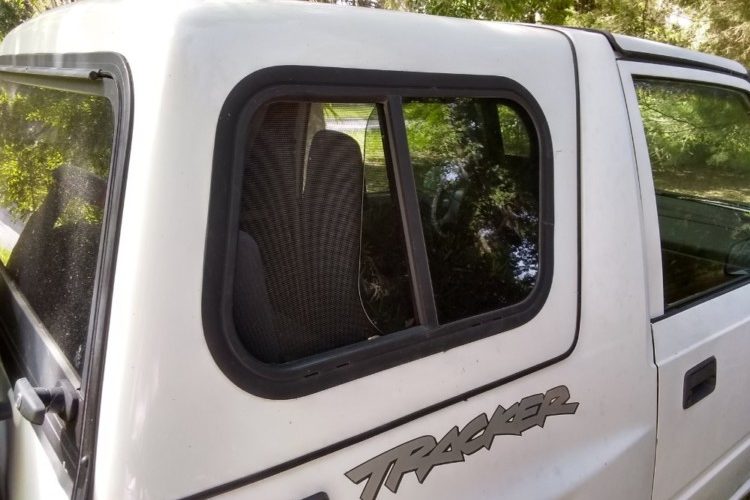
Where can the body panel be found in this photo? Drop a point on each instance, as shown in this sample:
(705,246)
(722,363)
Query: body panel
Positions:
(31,474)
(143,397)
(607,447)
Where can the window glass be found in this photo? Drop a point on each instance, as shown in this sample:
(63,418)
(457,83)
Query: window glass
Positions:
(516,137)
(321,259)
(384,282)
(55,149)
(319,223)
(477,174)
(699,145)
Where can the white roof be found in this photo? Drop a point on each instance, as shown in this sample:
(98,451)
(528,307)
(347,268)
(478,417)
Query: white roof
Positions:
(122,25)
(105,25)
(640,46)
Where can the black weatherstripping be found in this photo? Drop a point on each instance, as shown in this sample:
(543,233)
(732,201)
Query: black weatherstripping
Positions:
(315,373)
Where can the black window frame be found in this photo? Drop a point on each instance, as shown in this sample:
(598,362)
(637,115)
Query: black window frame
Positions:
(386,88)
(75,446)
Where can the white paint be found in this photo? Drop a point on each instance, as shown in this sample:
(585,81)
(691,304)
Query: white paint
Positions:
(10,228)
(30,472)
(640,45)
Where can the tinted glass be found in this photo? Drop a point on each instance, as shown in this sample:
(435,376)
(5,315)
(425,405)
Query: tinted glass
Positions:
(320,256)
(476,168)
(385,281)
(55,150)
(699,145)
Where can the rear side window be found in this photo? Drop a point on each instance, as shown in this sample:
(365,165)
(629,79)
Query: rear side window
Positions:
(320,256)
(363,219)
(699,145)
(324,259)
(55,150)
(479,203)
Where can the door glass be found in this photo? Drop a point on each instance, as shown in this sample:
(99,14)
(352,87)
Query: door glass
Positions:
(476,168)
(699,145)
(55,149)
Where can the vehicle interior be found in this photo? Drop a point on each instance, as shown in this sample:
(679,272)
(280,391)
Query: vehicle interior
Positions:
(320,221)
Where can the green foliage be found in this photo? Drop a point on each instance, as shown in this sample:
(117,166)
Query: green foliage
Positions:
(650,19)
(4,255)
(516,140)
(698,139)
(77,211)
(728,23)
(718,26)
(44,129)
(13,13)
(479,205)
(548,11)
(432,138)
(477,183)
(27,175)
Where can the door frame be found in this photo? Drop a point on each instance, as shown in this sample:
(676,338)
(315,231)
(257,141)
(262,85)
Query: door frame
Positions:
(71,452)
(679,332)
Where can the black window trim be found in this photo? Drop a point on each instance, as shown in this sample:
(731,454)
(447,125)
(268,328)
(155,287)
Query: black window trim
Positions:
(325,370)
(408,206)
(713,292)
(75,71)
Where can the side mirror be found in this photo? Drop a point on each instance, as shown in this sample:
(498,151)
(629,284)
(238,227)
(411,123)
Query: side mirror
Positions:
(738,259)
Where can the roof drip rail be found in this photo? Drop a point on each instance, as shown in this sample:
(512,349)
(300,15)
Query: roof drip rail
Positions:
(721,64)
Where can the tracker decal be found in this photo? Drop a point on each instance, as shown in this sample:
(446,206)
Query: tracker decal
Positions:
(422,454)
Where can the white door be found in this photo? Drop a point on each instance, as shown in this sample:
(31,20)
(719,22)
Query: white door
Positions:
(696,189)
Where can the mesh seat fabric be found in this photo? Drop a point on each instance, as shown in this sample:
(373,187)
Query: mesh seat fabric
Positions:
(305,222)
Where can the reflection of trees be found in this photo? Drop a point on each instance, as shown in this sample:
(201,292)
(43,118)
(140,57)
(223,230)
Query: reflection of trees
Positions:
(697,137)
(698,145)
(482,242)
(43,129)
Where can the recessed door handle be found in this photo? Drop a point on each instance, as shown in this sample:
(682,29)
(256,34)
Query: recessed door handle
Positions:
(700,381)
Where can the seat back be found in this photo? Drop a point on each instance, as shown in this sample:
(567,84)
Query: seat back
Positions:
(54,260)
(297,273)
